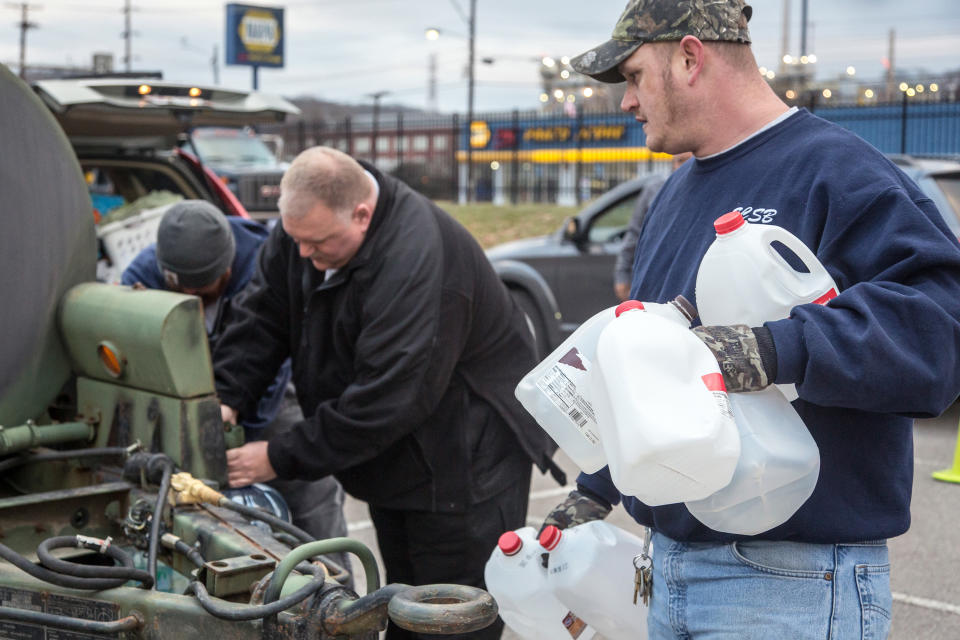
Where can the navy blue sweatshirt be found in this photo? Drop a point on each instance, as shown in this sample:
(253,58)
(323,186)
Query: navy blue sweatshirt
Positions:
(881,353)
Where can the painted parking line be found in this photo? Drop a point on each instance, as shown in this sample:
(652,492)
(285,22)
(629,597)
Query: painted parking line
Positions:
(926,603)
(359,525)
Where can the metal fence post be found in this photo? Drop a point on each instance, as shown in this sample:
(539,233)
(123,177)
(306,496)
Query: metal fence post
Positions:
(399,139)
(454,143)
(903,124)
(515,160)
(318,133)
(579,173)
(348,130)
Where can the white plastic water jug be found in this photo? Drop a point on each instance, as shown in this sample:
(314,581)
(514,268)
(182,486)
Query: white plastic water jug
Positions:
(556,393)
(777,471)
(662,408)
(590,570)
(743,279)
(517,580)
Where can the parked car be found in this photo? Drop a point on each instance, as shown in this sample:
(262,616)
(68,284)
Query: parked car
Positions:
(940,180)
(560,280)
(243,162)
(126,134)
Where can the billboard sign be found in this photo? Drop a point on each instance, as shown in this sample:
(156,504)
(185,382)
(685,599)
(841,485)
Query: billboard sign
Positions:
(254,35)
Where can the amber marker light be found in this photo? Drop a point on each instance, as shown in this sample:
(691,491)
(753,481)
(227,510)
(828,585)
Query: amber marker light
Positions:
(195,92)
(144,89)
(111,359)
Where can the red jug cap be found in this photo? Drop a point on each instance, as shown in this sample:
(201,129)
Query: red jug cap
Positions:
(550,538)
(728,222)
(629,305)
(509,543)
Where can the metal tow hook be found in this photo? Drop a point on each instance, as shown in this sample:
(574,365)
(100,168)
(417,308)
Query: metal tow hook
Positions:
(442,608)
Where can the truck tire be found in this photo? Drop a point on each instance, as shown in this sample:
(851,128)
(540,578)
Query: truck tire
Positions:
(535,321)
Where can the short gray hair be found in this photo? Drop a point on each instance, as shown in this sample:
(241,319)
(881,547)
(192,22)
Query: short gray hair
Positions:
(322,175)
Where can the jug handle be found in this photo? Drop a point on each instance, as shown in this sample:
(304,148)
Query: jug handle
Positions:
(795,280)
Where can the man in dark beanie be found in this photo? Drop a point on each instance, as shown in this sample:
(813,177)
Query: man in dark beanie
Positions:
(196,248)
(199,251)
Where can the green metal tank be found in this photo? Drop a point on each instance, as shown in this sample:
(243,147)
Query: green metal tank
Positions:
(47,245)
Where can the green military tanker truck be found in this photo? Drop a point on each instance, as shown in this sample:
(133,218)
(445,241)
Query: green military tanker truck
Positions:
(112,451)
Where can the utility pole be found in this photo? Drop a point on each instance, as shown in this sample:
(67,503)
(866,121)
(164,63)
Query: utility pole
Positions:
(891,64)
(470,83)
(127,35)
(785,37)
(803,28)
(432,82)
(376,116)
(24,25)
(214,62)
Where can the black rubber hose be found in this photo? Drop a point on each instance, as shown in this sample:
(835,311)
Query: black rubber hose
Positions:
(192,554)
(125,571)
(67,623)
(157,519)
(18,461)
(238,613)
(269,518)
(44,574)
(283,525)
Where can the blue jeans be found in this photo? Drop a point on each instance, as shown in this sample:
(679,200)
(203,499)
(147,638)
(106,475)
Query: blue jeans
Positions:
(760,590)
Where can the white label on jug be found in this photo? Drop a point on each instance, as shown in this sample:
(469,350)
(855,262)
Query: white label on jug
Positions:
(714,383)
(562,384)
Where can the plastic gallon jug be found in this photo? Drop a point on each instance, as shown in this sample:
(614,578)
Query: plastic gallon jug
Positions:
(556,393)
(590,570)
(662,407)
(517,580)
(743,279)
(777,471)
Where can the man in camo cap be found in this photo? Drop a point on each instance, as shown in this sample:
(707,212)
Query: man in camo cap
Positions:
(882,350)
(657,21)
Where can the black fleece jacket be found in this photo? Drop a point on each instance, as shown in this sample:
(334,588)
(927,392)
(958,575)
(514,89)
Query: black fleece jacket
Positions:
(405,361)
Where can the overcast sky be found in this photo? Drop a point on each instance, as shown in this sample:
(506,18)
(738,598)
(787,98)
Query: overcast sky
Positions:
(345,49)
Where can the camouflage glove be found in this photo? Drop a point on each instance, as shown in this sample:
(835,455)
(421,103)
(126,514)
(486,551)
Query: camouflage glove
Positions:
(576,509)
(747,357)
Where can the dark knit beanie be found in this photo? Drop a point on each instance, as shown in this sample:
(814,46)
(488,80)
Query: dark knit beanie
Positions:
(195,244)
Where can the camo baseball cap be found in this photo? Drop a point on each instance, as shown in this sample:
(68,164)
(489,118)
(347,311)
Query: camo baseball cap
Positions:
(664,21)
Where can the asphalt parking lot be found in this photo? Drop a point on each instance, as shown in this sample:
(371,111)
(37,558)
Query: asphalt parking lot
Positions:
(925,561)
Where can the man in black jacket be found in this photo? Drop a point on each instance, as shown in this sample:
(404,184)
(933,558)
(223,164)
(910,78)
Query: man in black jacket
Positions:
(406,350)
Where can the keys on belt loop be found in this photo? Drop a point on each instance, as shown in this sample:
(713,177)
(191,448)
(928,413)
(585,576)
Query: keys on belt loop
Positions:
(643,571)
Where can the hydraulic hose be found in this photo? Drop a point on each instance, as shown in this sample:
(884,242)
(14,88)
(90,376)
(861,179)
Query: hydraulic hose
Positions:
(157,519)
(71,582)
(269,518)
(173,542)
(46,456)
(319,547)
(67,623)
(252,612)
(125,571)
(153,468)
